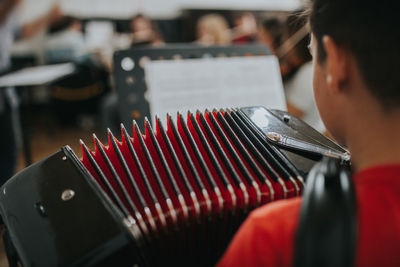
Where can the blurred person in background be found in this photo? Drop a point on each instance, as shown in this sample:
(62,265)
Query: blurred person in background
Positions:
(9,30)
(65,40)
(296,70)
(145,31)
(213,29)
(270,33)
(245,28)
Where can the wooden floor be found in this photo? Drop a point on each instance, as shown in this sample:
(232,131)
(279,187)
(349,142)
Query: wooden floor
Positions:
(47,136)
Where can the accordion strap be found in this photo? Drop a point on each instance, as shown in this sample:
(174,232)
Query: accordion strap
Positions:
(327,233)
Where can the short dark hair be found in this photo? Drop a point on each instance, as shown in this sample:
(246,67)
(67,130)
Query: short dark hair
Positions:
(370,30)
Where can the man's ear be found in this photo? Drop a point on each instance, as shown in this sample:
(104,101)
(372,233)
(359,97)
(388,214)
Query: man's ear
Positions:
(337,64)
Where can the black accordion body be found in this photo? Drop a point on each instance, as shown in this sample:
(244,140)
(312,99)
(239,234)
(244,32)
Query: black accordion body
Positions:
(172,195)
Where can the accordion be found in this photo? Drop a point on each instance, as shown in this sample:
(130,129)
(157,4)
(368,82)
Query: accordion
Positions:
(172,195)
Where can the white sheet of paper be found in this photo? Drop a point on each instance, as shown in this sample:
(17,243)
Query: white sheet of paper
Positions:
(210,83)
(37,75)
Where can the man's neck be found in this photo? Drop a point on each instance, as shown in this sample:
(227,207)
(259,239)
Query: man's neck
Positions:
(374,139)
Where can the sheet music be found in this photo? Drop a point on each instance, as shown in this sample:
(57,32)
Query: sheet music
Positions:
(193,84)
(37,75)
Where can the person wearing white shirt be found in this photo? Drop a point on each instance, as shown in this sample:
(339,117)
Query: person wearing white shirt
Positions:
(9,30)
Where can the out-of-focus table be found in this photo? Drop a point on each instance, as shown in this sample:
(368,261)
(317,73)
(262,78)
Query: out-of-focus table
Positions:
(29,78)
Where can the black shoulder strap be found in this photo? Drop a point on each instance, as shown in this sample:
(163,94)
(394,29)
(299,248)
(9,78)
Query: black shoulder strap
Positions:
(327,232)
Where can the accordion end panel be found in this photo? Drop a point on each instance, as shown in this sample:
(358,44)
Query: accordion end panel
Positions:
(55,216)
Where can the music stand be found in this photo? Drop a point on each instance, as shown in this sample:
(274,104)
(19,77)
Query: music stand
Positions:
(130,77)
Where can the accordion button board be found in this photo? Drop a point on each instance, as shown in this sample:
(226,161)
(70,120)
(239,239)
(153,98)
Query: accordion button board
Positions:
(177,192)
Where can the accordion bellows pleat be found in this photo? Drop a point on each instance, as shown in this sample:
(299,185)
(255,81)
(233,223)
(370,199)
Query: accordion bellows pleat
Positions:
(186,188)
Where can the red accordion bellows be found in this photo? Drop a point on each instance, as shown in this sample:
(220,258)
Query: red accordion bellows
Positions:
(189,186)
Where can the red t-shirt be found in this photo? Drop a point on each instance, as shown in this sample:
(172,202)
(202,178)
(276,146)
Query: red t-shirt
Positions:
(267,236)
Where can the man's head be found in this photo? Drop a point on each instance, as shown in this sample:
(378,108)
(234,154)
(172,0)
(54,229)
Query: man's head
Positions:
(355,38)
